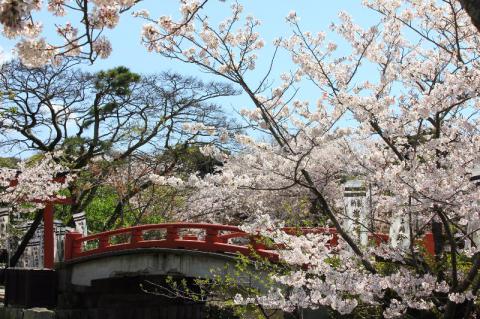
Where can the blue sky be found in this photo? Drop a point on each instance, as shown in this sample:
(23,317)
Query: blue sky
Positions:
(315,16)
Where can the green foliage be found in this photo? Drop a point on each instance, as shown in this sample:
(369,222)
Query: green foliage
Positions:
(34,159)
(334,261)
(249,276)
(300,214)
(386,268)
(11,95)
(116,81)
(12,110)
(72,147)
(190,160)
(8,162)
(101,208)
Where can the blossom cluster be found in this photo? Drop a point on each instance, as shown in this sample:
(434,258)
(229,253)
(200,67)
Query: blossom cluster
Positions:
(409,132)
(33,183)
(81,39)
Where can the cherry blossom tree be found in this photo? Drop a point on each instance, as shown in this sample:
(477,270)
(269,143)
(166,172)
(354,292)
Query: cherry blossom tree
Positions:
(33,182)
(82,36)
(141,200)
(473,10)
(101,122)
(415,141)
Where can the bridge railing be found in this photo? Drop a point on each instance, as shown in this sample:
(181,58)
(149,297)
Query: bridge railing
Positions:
(204,237)
(193,236)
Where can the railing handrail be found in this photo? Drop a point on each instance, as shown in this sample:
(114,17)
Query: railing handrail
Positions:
(213,241)
(163,226)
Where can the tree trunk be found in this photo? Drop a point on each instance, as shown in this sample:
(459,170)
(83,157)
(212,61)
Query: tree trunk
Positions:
(472,7)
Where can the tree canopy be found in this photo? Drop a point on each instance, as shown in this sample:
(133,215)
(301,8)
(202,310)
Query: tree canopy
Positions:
(395,113)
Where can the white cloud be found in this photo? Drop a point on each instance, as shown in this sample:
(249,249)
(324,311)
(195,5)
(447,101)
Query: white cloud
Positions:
(5,55)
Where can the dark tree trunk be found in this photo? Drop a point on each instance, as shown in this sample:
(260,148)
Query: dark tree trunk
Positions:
(472,7)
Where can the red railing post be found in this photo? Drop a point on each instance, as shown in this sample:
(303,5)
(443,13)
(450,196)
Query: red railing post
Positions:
(172,233)
(72,246)
(137,236)
(48,237)
(103,242)
(429,243)
(211,237)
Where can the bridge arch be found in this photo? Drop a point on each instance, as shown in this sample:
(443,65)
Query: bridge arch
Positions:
(147,262)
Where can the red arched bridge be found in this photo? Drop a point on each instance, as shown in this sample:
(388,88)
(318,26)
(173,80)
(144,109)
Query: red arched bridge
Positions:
(193,236)
(189,236)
